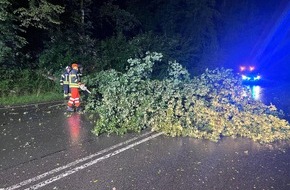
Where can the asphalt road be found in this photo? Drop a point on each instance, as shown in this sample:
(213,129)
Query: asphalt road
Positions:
(41,147)
(275,92)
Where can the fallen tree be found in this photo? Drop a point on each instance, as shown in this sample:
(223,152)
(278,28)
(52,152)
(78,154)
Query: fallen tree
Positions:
(209,106)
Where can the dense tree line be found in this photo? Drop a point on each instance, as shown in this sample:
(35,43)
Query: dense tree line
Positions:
(46,35)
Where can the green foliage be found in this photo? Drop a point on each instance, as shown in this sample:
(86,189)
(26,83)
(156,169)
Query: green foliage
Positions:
(114,52)
(10,41)
(62,51)
(192,24)
(209,106)
(111,53)
(122,21)
(39,14)
(115,117)
(18,82)
(15,22)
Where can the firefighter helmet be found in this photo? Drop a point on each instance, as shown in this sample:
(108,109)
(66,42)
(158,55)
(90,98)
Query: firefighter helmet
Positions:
(74,66)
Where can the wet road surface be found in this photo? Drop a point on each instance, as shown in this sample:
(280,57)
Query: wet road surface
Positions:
(41,147)
(275,92)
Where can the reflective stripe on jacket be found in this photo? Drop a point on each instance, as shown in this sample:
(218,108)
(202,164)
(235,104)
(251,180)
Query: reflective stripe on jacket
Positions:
(73,79)
(65,78)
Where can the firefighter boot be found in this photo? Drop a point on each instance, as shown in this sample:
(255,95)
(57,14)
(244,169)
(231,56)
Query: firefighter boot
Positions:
(70,109)
(78,109)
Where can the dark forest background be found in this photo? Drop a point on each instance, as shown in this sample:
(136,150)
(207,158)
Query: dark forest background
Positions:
(41,37)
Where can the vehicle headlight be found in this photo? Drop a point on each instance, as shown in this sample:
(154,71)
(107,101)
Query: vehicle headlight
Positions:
(244,77)
(257,77)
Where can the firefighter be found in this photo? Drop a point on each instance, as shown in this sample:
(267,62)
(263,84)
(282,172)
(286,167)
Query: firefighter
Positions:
(74,85)
(64,82)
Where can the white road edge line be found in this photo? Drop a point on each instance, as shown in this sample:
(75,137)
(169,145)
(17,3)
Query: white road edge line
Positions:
(69,172)
(28,181)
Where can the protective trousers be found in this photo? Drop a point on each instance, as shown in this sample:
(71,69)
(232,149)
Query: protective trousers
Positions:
(74,99)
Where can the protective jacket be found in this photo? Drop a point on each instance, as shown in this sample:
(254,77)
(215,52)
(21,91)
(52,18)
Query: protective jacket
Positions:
(64,81)
(64,78)
(74,79)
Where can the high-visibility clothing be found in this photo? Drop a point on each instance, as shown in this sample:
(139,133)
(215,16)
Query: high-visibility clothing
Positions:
(74,89)
(64,81)
(64,78)
(74,79)
(74,99)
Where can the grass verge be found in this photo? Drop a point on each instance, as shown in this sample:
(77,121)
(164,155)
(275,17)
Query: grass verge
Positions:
(27,99)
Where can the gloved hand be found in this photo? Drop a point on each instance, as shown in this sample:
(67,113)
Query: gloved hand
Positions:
(82,87)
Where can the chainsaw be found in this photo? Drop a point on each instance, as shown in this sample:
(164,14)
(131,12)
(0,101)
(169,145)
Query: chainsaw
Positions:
(84,88)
